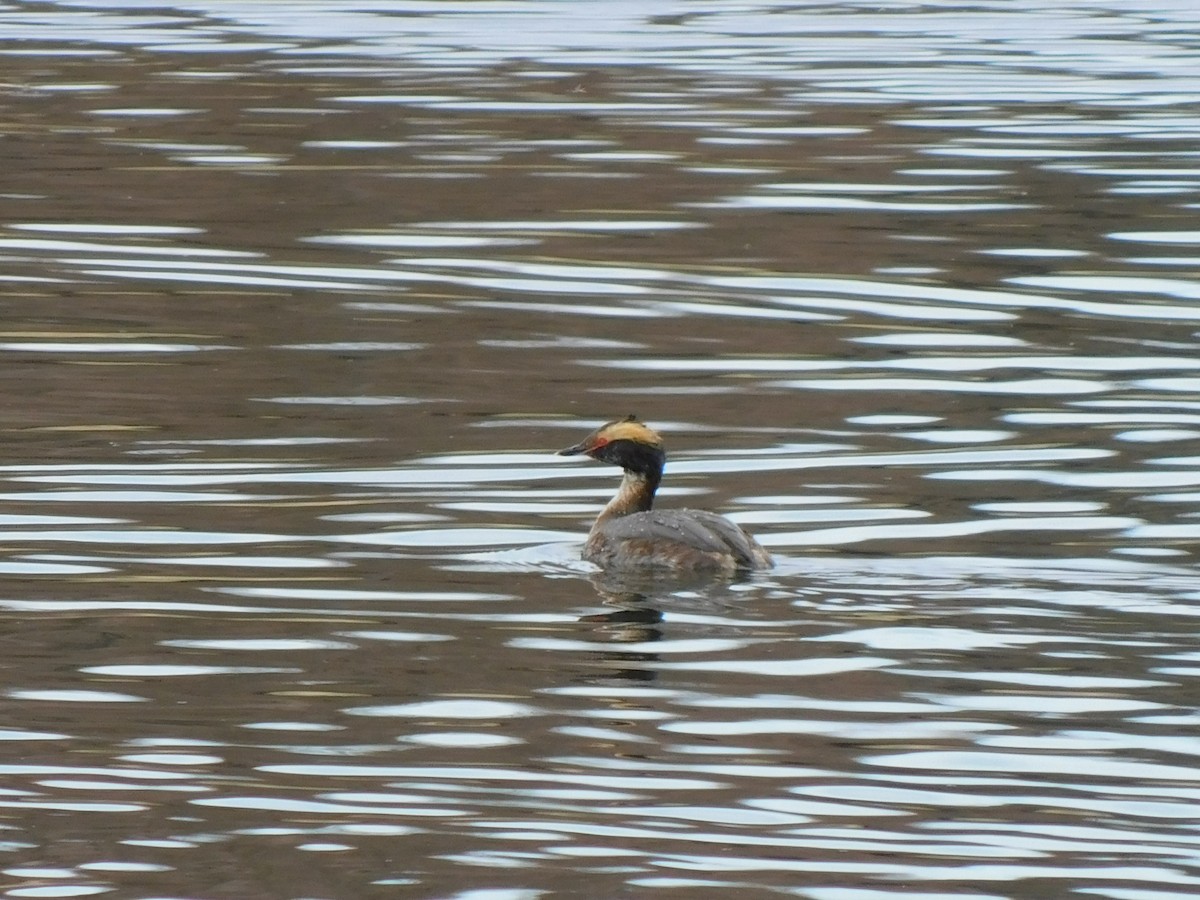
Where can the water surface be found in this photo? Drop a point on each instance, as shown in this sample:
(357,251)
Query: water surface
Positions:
(299,301)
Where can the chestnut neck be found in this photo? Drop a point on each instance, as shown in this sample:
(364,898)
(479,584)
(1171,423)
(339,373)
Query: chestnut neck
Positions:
(643,468)
(636,494)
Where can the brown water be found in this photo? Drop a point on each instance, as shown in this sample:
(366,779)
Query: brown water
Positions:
(298,299)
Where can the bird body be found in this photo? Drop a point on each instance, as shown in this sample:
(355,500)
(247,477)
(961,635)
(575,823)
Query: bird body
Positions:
(630,534)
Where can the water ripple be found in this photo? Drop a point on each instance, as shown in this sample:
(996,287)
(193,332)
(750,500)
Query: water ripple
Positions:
(300,306)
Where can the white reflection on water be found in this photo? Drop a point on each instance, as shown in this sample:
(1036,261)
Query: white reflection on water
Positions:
(903,717)
(459,739)
(1041,763)
(122,347)
(930,363)
(417,240)
(141,537)
(449,709)
(258,644)
(1026,386)
(930,531)
(205,561)
(180,671)
(860,205)
(486,774)
(132,250)
(106,228)
(1168,287)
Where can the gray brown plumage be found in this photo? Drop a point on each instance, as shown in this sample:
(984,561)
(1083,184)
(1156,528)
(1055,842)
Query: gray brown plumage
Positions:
(630,534)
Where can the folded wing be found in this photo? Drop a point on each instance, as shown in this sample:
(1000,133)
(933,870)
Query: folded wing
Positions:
(693,529)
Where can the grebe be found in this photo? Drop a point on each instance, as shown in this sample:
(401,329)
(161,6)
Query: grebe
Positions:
(628,534)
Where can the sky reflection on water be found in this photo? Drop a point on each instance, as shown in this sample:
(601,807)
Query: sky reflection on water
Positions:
(300,303)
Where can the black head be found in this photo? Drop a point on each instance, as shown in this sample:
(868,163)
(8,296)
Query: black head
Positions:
(626,443)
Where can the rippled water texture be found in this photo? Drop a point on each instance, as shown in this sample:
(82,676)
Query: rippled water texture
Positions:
(300,298)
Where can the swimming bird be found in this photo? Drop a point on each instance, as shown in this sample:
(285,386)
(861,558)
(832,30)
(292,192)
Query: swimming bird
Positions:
(630,534)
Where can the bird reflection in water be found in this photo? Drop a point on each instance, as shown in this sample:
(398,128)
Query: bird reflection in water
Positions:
(632,620)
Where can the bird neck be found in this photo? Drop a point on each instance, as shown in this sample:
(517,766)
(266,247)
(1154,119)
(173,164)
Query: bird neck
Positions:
(636,494)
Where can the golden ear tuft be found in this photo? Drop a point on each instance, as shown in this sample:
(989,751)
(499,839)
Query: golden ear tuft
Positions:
(630,429)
